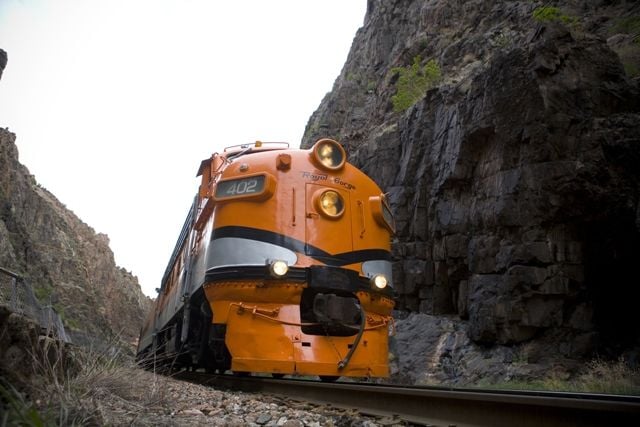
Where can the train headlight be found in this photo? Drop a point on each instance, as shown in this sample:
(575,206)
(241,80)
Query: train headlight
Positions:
(331,203)
(278,268)
(379,281)
(329,154)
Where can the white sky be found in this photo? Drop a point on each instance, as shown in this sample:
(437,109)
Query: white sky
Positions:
(116,102)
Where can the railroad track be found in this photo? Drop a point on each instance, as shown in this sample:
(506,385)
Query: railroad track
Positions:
(436,406)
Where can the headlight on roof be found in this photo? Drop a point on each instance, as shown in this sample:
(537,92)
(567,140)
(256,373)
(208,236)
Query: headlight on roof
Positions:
(329,154)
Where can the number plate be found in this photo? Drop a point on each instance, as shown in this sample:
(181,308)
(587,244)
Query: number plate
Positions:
(240,187)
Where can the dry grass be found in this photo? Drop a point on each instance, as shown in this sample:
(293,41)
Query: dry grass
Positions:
(79,386)
(610,377)
(599,376)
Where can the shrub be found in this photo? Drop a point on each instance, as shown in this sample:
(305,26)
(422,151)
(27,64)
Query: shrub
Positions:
(552,14)
(632,70)
(630,57)
(599,376)
(615,377)
(15,410)
(413,82)
(627,25)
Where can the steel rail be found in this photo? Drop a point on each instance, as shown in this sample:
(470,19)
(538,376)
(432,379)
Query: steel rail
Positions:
(436,406)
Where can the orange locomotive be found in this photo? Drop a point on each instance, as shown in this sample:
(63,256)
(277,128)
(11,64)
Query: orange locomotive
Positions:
(282,267)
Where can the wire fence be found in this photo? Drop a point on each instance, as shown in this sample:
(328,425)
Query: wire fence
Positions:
(17,294)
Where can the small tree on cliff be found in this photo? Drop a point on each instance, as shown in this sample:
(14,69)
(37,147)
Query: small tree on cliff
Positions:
(413,82)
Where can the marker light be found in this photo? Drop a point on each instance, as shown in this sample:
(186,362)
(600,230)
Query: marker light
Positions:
(278,268)
(331,203)
(379,281)
(329,154)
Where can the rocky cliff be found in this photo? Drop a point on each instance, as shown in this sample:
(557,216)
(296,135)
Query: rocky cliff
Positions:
(515,179)
(67,262)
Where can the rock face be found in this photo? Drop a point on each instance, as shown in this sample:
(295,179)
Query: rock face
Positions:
(444,354)
(515,182)
(3,61)
(68,264)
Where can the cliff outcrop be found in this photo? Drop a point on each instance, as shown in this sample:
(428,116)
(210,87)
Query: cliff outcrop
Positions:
(66,261)
(515,180)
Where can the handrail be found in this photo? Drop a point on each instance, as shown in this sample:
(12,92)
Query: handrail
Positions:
(11,273)
(22,300)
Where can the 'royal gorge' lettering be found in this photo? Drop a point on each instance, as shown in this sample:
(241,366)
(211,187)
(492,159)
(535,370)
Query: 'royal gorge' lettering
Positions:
(316,177)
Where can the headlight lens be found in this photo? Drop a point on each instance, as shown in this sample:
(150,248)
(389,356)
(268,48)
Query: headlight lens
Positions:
(379,281)
(331,203)
(329,154)
(278,268)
